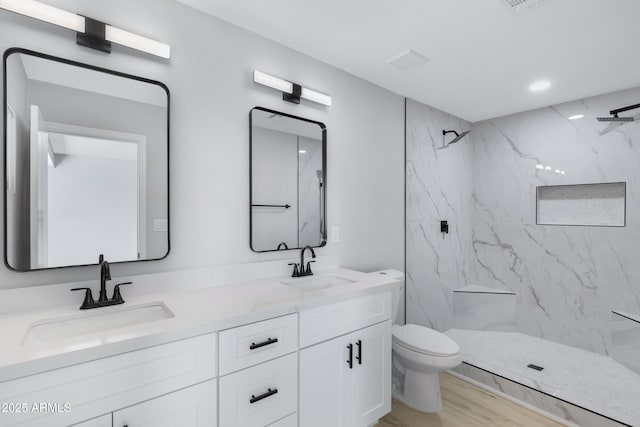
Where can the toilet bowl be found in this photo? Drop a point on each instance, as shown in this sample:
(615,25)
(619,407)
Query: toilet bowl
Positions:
(419,355)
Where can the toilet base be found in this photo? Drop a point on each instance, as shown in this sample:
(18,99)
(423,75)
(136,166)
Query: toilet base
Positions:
(421,391)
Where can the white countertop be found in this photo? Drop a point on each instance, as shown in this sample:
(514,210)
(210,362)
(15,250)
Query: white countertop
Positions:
(197,312)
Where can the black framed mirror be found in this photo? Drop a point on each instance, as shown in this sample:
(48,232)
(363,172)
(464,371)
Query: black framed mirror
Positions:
(86,162)
(288,181)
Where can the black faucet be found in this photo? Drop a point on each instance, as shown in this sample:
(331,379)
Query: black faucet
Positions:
(301,270)
(103,300)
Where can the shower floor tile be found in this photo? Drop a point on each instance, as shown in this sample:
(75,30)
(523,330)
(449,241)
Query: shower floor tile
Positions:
(592,381)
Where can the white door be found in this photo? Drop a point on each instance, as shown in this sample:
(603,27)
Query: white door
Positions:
(371,374)
(103,421)
(325,384)
(194,406)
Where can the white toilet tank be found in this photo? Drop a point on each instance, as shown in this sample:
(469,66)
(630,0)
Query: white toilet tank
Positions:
(397,295)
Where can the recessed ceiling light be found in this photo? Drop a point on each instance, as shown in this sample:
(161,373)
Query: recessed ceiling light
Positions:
(539,86)
(576,117)
(302,151)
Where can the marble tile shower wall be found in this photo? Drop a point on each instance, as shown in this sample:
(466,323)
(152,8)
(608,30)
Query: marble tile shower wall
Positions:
(567,278)
(439,187)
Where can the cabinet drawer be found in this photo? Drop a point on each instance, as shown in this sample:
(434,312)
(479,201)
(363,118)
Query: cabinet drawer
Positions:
(290,421)
(258,342)
(193,406)
(261,395)
(329,321)
(108,384)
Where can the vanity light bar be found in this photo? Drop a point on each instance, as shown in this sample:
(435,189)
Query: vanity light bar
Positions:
(134,41)
(90,33)
(291,92)
(312,95)
(272,82)
(46,13)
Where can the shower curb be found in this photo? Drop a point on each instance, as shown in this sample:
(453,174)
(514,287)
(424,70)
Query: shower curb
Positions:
(573,415)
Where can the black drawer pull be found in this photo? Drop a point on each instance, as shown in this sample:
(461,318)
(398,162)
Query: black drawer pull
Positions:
(269,392)
(350,361)
(269,341)
(359,356)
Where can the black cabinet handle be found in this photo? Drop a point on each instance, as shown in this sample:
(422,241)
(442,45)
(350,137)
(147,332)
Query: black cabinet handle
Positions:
(269,392)
(359,357)
(269,341)
(350,361)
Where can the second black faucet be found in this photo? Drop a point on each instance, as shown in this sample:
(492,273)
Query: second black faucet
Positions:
(300,270)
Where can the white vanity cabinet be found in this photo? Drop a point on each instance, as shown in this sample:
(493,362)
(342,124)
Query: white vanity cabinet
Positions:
(345,381)
(319,367)
(106,385)
(195,406)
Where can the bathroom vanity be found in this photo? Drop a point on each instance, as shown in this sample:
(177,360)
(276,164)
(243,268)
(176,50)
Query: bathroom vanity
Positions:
(314,351)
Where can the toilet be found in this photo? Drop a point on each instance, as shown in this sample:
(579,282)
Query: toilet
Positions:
(419,355)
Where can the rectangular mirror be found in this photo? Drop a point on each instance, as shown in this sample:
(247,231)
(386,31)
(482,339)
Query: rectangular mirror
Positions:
(86,161)
(288,159)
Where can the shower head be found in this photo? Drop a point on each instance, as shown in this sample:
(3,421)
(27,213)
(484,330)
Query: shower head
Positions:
(615,121)
(458,137)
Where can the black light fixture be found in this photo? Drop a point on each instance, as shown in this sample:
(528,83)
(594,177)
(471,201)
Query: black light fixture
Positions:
(291,92)
(94,35)
(89,32)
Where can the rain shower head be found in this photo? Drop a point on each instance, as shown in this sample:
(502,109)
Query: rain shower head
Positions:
(615,119)
(458,137)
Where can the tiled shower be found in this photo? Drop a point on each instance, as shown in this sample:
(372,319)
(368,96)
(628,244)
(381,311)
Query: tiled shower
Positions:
(496,188)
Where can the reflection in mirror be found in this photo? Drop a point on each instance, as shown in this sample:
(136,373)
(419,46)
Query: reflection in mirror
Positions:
(288,177)
(86,164)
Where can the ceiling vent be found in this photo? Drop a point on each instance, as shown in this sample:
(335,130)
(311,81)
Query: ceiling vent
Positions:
(408,60)
(521,5)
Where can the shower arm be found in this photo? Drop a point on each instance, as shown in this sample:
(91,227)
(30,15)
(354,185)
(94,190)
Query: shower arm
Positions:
(623,109)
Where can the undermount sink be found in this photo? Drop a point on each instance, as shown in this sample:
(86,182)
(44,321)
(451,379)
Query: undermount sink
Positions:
(95,320)
(316,283)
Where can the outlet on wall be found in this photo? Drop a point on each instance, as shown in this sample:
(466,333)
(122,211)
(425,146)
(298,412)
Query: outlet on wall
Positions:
(335,234)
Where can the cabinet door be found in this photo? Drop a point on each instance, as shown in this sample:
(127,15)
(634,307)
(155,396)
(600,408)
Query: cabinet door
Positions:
(371,374)
(194,406)
(325,384)
(103,421)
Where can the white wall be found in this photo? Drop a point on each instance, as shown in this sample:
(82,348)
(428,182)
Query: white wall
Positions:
(212,93)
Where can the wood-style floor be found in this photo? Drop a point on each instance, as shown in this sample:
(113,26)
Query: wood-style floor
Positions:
(465,405)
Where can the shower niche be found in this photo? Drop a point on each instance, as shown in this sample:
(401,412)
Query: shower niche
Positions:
(287,181)
(598,205)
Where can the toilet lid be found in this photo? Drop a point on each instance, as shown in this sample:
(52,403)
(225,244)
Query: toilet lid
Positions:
(426,341)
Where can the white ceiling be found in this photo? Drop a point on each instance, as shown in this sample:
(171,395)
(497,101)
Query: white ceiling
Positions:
(62,74)
(482,55)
